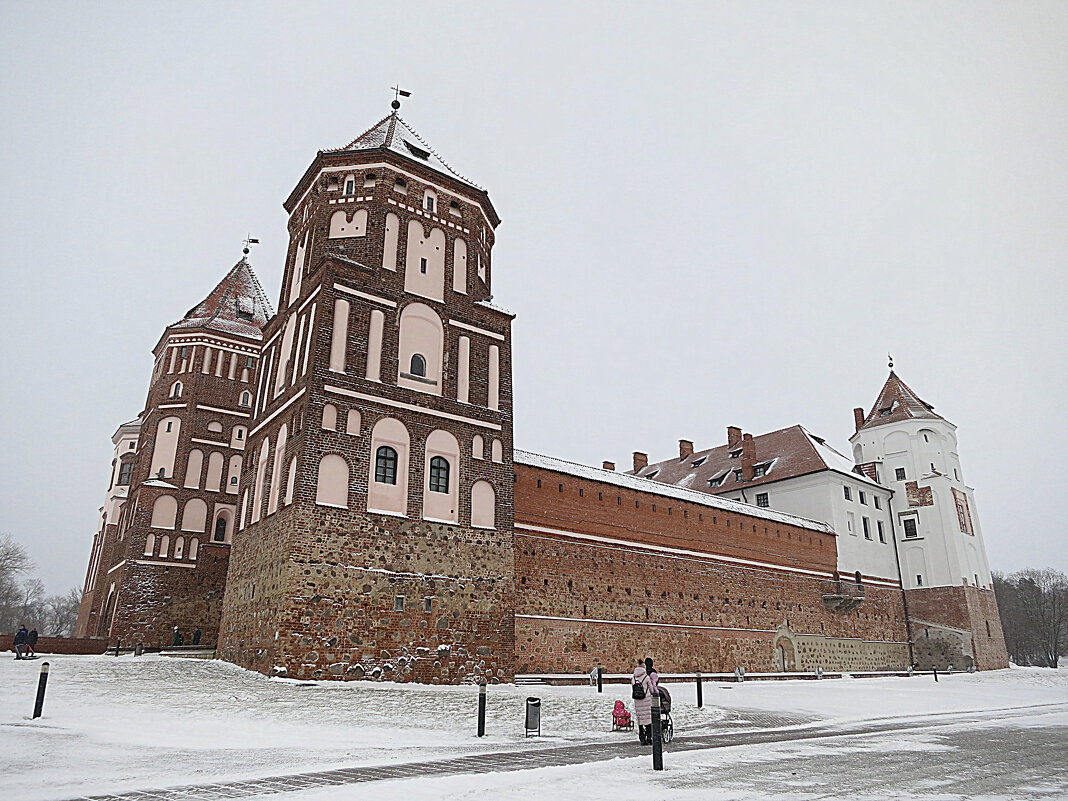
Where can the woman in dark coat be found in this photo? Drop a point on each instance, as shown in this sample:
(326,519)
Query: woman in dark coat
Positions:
(31,642)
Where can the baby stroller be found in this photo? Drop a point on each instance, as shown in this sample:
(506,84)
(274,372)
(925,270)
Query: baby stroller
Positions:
(667,728)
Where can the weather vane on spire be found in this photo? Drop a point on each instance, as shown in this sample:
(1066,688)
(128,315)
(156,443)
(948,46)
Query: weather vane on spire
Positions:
(890,359)
(249,241)
(398,93)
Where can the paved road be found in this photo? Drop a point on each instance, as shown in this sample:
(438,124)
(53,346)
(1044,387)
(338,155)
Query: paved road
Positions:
(991,760)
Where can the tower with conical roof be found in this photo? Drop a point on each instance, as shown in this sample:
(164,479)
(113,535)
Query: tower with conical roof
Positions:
(162,560)
(375,525)
(904,444)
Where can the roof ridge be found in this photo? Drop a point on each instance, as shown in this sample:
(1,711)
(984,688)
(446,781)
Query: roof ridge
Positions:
(430,147)
(361,136)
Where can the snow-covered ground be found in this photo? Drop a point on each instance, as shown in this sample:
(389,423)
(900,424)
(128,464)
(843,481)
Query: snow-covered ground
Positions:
(114,725)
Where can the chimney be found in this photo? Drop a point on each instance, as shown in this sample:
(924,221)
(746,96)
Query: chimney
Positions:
(748,457)
(734,436)
(685,448)
(640,460)
(858,417)
(608,465)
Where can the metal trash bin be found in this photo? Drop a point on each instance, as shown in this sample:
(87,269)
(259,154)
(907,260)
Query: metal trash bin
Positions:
(533,720)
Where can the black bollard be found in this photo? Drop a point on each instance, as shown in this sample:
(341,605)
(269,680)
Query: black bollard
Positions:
(482,709)
(139,649)
(658,744)
(41,684)
(599,671)
(117,644)
(700,692)
(935,671)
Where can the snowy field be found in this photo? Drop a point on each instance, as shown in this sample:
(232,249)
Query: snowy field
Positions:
(118,725)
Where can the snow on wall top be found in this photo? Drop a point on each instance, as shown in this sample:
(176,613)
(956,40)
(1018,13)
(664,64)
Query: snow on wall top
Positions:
(395,135)
(632,482)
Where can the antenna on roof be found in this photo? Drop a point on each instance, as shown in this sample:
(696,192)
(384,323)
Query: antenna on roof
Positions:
(249,241)
(398,93)
(890,359)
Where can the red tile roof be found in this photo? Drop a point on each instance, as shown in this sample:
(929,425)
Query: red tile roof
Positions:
(897,402)
(238,305)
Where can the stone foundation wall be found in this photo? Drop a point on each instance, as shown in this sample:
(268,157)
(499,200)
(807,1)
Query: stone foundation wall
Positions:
(60,645)
(328,609)
(972,609)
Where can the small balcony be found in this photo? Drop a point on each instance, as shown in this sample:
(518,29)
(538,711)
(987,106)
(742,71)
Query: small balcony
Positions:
(842,596)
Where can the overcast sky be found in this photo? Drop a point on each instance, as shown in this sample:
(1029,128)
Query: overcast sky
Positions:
(714,214)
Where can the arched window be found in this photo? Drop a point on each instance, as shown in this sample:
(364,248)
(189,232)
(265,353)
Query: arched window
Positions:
(386,465)
(418,365)
(179,548)
(333,485)
(246,399)
(220,530)
(176,389)
(439,475)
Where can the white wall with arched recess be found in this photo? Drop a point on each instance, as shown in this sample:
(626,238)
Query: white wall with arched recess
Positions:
(917,566)
(291,481)
(164,511)
(285,353)
(422,332)
(165,447)
(277,475)
(261,473)
(330,417)
(150,547)
(341,226)
(215,427)
(233,474)
(896,442)
(164,544)
(244,508)
(237,437)
(389,251)
(442,506)
(498,451)
(477,447)
(332,488)
(193,466)
(352,423)
(298,269)
(194,548)
(425,278)
(213,480)
(459,266)
(390,498)
(225,515)
(339,336)
(195,515)
(493,399)
(374,345)
(483,505)
(179,548)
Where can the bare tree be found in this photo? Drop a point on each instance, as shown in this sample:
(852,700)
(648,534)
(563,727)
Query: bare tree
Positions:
(14,565)
(1034,611)
(60,613)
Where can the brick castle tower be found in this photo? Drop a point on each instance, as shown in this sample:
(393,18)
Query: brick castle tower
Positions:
(160,559)
(375,526)
(902,443)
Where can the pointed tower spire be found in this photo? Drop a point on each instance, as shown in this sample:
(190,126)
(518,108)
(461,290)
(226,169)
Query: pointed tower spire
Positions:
(237,305)
(897,401)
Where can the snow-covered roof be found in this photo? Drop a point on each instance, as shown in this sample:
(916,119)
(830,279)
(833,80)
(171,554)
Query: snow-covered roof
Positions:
(897,402)
(639,484)
(786,453)
(394,134)
(238,305)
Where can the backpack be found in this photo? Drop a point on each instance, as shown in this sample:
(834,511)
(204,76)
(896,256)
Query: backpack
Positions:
(637,691)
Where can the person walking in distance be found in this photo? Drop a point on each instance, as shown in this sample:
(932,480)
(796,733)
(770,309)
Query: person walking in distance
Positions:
(642,689)
(196,636)
(31,642)
(177,636)
(20,641)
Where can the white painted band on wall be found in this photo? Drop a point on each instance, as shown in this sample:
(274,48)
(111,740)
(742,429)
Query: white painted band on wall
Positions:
(411,407)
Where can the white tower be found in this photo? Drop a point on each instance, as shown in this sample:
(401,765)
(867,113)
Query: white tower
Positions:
(903,444)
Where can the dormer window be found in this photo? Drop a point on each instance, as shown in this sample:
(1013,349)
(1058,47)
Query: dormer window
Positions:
(760,470)
(245,308)
(418,152)
(735,453)
(699,462)
(653,474)
(738,475)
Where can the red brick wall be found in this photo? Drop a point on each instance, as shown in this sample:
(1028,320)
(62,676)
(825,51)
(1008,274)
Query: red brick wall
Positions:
(61,645)
(582,602)
(972,608)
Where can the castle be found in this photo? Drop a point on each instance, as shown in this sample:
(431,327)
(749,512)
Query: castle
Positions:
(331,490)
